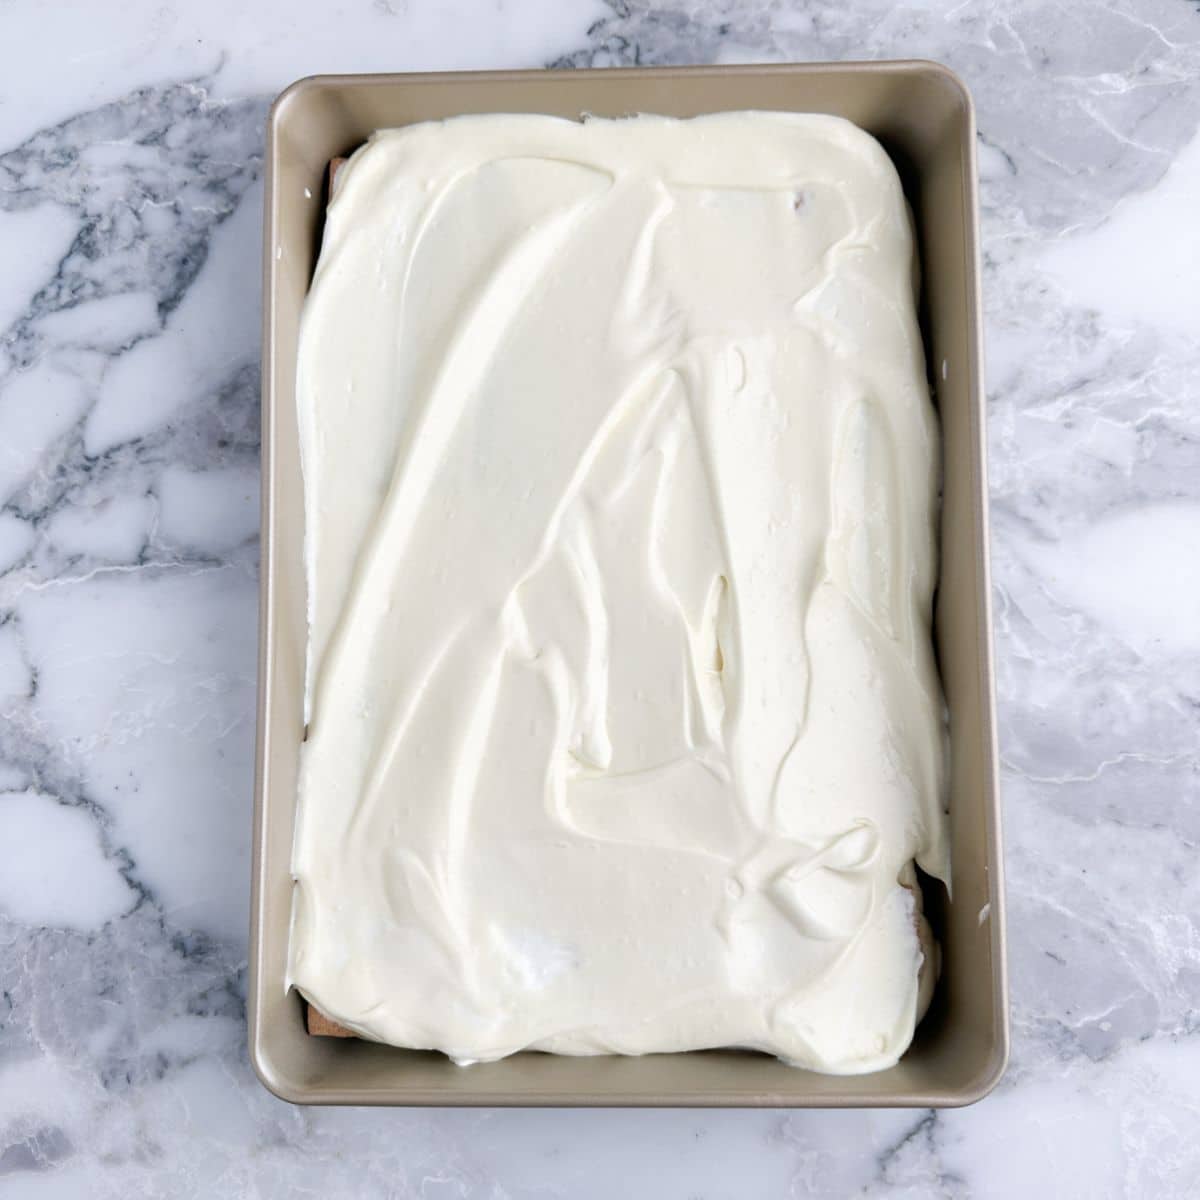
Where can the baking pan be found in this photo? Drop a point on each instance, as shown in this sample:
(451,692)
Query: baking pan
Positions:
(923,116)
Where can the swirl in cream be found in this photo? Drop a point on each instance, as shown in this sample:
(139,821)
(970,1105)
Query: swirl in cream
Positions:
(620,476)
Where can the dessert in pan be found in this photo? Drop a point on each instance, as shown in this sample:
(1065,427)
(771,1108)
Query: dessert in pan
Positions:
(620,472)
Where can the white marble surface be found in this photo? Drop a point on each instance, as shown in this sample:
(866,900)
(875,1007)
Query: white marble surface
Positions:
(130,195)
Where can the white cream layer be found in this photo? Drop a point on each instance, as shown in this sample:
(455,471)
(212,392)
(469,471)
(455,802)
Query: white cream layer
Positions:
(620,477)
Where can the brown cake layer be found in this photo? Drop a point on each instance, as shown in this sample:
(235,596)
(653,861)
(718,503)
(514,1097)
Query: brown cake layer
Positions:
(319,1025)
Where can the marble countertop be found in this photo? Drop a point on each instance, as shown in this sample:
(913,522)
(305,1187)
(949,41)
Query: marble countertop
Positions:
(130,208)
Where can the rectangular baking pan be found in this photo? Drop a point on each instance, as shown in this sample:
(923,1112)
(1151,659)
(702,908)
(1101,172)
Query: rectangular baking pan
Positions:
(923,116)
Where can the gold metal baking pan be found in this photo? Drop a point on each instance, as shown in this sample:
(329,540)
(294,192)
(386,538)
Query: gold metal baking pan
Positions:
(923,116)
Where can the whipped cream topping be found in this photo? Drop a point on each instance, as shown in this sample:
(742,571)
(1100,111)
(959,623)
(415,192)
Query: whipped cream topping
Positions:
(620,475)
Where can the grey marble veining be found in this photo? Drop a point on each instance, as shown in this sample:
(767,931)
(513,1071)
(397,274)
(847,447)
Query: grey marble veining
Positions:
(130,161)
